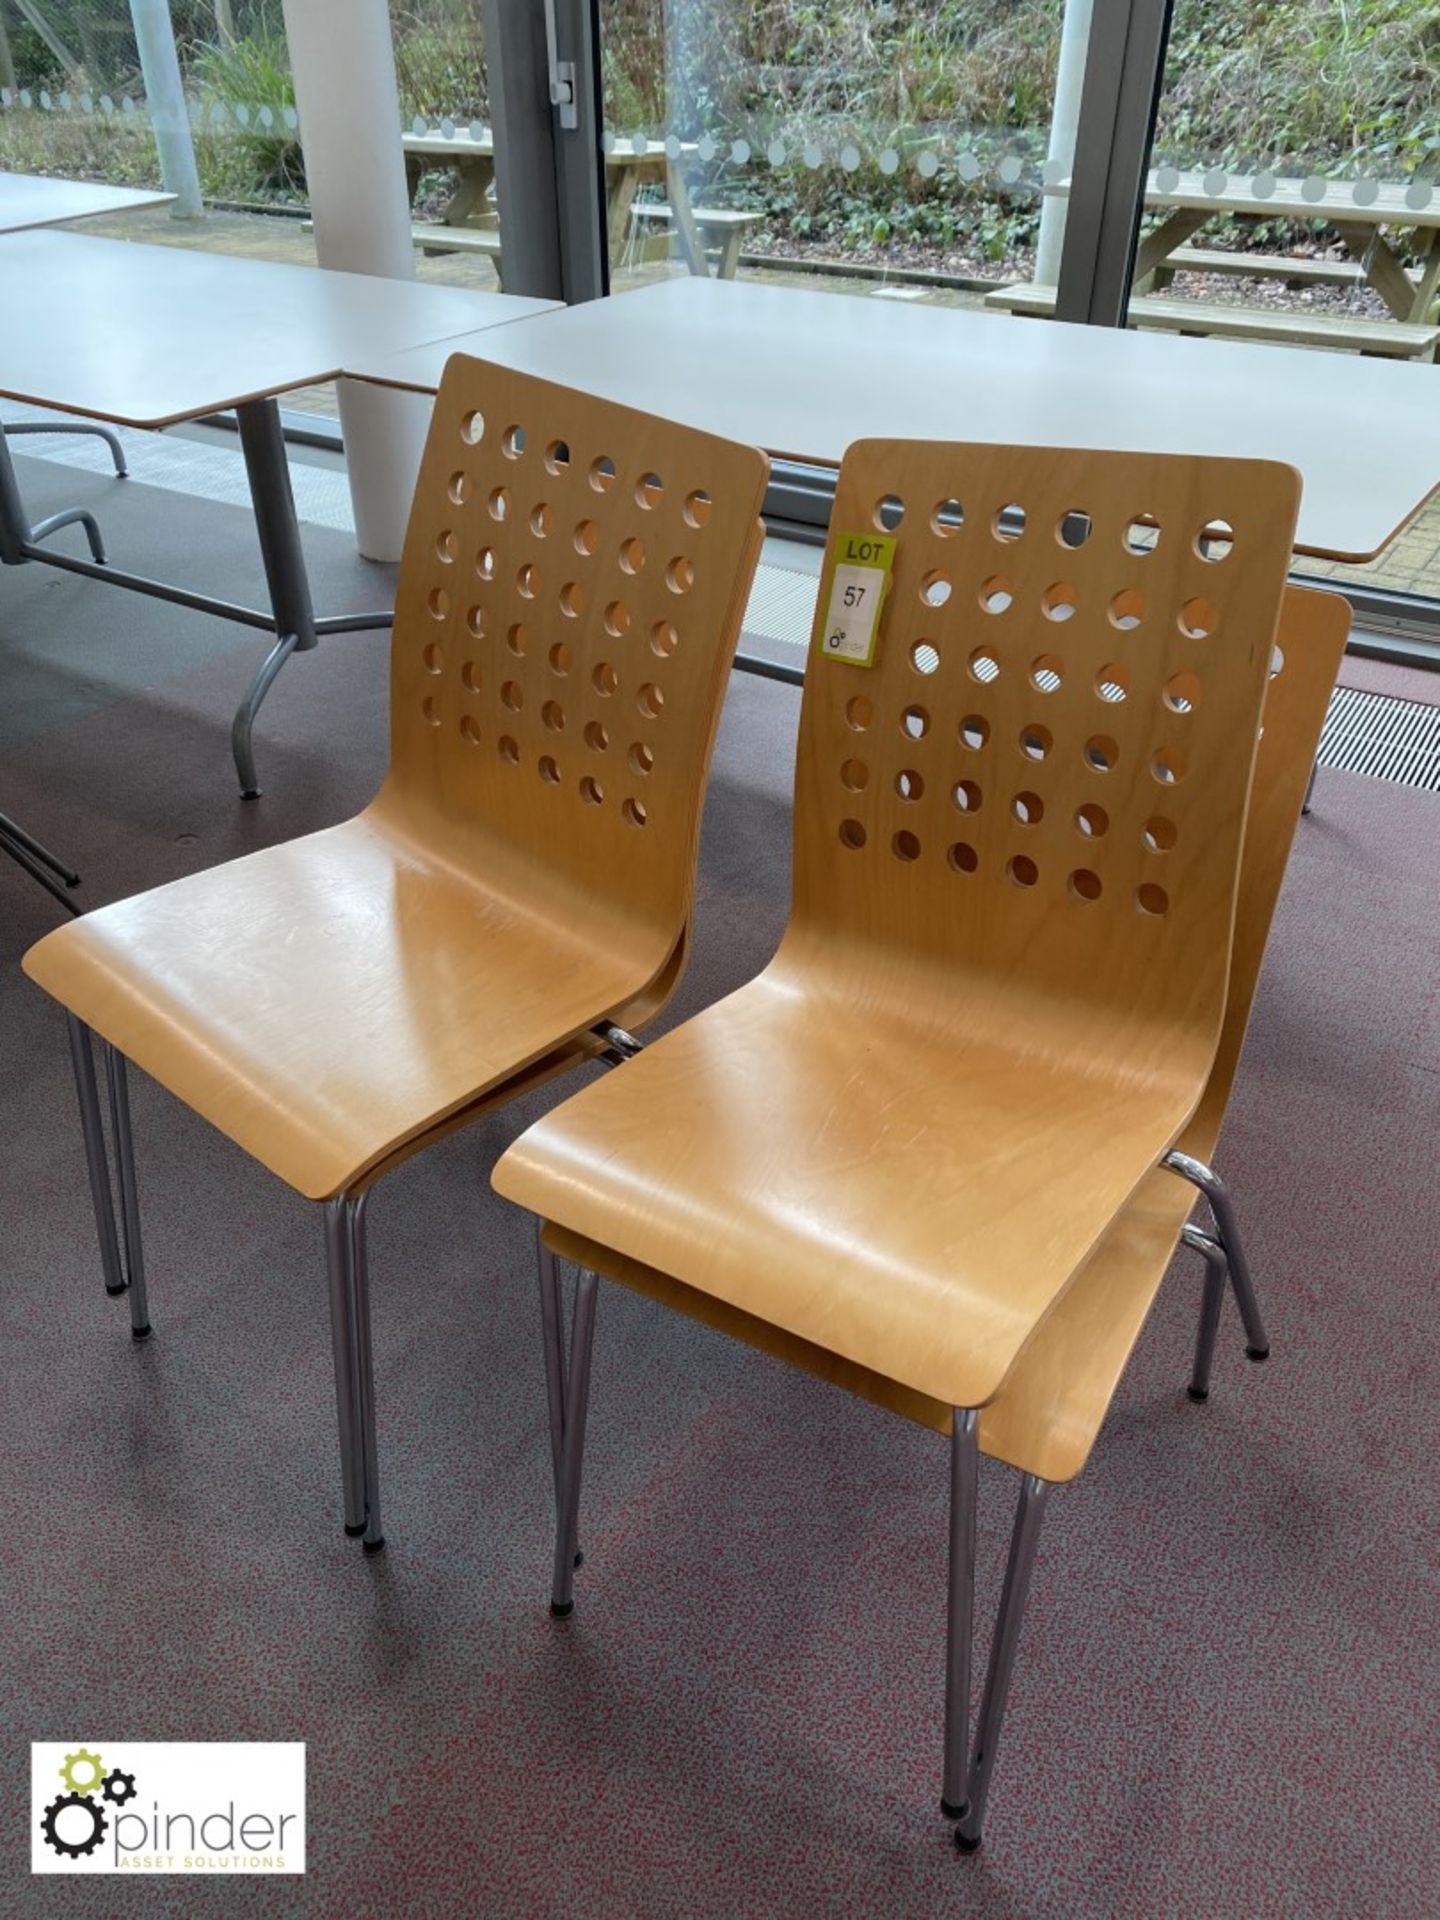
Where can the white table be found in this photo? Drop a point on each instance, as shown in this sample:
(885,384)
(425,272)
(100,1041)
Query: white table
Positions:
(38,200)
(803,374)
(147,336)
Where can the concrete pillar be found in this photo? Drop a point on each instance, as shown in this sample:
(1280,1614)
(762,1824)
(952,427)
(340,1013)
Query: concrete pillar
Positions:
(345,95)
(165,97)
(1069,85)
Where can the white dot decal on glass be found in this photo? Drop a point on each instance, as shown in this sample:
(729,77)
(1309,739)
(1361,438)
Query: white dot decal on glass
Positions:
(107,105)
(968,167)
(849,157)
(812,155)
(1418,195)
(45,100)
(447,128)
(87,103)
(707,148)
(889,161)
(640,144)
(1365,192)
(607,142)
(928,165)
(1216,181)
(1167,179)
(775,153)
(66,102)
(419,126)
(127,105)
(476,131)
(1052,173)
(1263,185)
(1011,168)
(740,152)
(1313,189)
(290,117)
(242,115)
(673,146)
(265,117)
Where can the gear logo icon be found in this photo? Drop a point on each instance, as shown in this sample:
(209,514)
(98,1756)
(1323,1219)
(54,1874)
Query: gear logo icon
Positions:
(74,1849)
(87,1764)
(118,1787)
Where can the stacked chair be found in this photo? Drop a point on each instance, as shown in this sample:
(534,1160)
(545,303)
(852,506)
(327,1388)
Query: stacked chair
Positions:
(518,894)
(941,1151)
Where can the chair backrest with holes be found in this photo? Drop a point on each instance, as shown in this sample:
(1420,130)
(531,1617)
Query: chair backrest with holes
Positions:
(1309,645)
(570,596)
(1041,781)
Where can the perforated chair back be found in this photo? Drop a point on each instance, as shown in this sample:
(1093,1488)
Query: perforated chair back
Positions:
(1309,646)
(1039,788)
(570,596)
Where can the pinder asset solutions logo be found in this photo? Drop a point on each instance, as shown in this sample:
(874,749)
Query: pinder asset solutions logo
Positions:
(143,1807)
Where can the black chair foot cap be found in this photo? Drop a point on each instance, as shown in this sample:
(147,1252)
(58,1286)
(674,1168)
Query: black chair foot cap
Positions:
(562,1611)
(952,1812)
(1198,1393)
(375,1546)
(1257,1353)
(354,1533)
(115,1292)
(250,793)
(141,1333)
(966,1844)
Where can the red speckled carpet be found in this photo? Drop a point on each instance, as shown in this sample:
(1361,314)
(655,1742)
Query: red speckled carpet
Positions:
(1226,1703)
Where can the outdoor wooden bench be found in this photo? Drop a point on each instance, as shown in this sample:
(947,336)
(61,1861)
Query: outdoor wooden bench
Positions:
(722,230)
(1395,338)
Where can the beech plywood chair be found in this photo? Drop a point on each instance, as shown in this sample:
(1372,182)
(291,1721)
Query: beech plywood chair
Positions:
(1000,995)
(518,893)
(1046,1417)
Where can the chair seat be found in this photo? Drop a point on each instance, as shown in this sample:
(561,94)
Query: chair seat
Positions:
(911,1207)
(324,1001)
(1047,1416)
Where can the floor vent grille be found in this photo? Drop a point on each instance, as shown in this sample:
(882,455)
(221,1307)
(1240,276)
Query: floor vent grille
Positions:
(1388,739)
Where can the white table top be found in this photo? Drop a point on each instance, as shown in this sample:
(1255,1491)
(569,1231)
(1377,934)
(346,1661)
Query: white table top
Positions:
(35,200)
(148,335)
(803,374)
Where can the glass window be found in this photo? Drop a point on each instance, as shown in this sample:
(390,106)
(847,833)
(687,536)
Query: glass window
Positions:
(853,146)
(1294,198)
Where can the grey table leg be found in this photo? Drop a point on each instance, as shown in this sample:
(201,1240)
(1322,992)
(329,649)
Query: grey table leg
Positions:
(111,438)
(262,441)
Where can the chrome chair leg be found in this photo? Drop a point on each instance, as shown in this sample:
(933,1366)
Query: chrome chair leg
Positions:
(1217,1271)
(1030,1511)
(1227,1232)
(96,1164)
(117,1084)
(339,1253)
(960,1615)
(548,1268)
(374,1536)
(552,1303)
(577,1401)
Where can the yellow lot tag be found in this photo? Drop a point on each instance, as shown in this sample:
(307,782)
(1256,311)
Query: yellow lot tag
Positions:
(859,582)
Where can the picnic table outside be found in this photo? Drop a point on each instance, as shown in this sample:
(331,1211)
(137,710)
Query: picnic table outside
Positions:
(1365,213)
(1368,215)
(629,164)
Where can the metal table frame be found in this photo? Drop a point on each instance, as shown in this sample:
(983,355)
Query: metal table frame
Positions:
(292,617)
